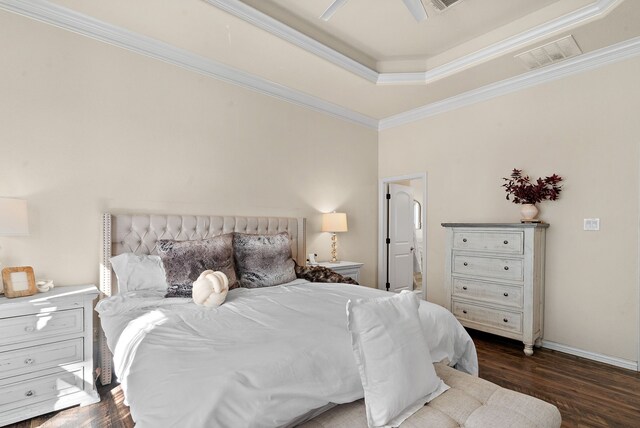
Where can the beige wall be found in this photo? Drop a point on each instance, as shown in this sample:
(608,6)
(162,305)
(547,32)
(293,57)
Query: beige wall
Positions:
(584,128)
(86,128)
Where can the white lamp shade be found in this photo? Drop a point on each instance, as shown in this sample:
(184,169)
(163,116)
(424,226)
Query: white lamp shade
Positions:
(13,217)
(334,222)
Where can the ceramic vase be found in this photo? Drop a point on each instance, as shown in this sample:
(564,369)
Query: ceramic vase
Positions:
(528,212)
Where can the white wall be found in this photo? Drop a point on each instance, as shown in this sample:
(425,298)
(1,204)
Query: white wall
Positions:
(87,128)
(584,128)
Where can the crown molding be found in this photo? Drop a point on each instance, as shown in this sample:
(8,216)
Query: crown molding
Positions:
(68,19)
(261,20)
(285,32)
(575,65)
(59,16)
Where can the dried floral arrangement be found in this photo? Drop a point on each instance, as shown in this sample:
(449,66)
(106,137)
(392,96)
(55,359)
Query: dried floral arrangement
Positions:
(524,191)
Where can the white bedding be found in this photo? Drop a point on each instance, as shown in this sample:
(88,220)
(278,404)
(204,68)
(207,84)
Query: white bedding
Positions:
(265,358)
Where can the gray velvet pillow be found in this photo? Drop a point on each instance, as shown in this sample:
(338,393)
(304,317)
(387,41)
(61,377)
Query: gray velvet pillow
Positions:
(184,261)
(263,260)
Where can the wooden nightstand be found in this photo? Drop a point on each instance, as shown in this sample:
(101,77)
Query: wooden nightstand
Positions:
(349,269)
(46,352)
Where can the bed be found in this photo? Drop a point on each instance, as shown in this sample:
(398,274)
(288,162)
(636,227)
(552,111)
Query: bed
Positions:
(268,357)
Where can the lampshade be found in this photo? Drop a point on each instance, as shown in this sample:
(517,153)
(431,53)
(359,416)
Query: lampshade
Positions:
(334,222)
(13,217)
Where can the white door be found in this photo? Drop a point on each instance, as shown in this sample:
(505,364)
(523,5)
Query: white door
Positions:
(401,238)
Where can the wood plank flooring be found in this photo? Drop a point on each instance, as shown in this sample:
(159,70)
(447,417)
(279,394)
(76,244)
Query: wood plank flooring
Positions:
(588,394)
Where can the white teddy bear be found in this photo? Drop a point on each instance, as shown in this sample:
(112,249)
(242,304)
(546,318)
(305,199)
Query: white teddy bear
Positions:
(211,288)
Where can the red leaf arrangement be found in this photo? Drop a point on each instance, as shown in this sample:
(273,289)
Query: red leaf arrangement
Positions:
(524,191)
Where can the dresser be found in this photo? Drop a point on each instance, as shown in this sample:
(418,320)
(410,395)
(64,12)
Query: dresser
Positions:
(494,278)
(350,269)
(46,352)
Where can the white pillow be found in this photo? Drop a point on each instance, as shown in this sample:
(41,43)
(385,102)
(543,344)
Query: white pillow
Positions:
(393,358)
(138,272)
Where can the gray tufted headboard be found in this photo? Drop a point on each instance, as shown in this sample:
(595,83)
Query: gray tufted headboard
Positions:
(139,234)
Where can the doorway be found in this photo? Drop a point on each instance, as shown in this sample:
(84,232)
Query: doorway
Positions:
(402,233)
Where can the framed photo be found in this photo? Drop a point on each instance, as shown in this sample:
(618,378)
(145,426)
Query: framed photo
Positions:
(19,281)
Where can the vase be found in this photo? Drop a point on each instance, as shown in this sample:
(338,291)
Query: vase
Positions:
(528,212)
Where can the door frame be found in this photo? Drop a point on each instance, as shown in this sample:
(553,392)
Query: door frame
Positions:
(382,266)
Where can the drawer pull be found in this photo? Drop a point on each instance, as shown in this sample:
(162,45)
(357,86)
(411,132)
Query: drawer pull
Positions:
(465,264)
(464,239)
(464,311)
(464,287)
(506,268)
(29,328)
(505,320)
(505,242)
(506,294)
(29,393)
(29,361)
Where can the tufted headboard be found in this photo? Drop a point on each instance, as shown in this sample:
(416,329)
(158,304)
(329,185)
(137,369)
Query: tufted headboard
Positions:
(139,234)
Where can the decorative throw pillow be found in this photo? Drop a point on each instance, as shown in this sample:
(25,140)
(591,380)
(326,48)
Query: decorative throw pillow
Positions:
(138,272)
(322,274)
(263,260)
(184,261)
(393,358)
(210,289)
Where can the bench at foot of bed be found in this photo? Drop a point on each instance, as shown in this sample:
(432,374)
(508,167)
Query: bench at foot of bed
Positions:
(471,402)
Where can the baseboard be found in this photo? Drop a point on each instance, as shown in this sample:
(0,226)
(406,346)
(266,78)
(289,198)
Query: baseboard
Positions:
(614,361)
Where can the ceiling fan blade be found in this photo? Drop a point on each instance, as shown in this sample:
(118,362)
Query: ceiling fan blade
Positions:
(337,4)
(417,9)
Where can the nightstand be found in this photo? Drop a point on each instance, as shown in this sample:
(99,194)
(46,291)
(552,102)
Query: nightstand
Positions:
(46,352)
(350,269)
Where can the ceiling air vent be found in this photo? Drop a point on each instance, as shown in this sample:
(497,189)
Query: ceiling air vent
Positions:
(558,50)
(443,4)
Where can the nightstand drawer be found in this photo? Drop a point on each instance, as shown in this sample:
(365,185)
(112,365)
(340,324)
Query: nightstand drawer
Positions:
(488,292)
(40,357)
(490,267)
(497,318)
(498,242)
(39,389)
(39,326)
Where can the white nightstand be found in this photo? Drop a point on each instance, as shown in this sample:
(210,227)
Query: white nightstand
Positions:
(350,269)
(46,352)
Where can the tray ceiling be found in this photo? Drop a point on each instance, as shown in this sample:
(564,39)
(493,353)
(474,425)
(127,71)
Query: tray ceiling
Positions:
(354,73)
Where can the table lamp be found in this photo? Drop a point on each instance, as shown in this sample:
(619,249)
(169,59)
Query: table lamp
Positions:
(334,222)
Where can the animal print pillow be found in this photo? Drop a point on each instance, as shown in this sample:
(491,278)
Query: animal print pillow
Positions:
(184,261)
(322,274)
(263,260)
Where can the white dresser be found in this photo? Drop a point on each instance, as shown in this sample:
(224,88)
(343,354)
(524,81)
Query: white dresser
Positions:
(494,278)
(46,352)
(349,269)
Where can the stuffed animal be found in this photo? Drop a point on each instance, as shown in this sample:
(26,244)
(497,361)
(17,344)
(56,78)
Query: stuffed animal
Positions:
(210,289)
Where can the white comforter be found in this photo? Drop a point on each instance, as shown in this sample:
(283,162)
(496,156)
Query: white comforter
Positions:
(265,358)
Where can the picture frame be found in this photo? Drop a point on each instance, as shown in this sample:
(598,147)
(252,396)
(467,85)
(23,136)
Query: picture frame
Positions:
(19,281)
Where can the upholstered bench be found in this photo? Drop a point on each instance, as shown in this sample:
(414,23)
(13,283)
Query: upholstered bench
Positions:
(471,402)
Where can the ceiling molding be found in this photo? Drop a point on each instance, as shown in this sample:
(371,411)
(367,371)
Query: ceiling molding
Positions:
(285,32)
(68,19)
(261,20)
(59,16)
(585,62)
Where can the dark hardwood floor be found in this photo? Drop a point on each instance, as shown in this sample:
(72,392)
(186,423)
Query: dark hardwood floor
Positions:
(588,394)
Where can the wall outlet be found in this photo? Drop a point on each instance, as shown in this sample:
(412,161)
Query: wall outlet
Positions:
(591,224)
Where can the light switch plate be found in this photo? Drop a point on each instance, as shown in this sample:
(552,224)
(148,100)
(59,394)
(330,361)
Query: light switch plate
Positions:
(591,224)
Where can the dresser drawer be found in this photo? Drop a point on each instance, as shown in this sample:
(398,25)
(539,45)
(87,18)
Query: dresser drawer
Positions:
(497,242)
(488,292)
(490,267)
(38,326)
(505,320)
(40,357)
(39,389)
